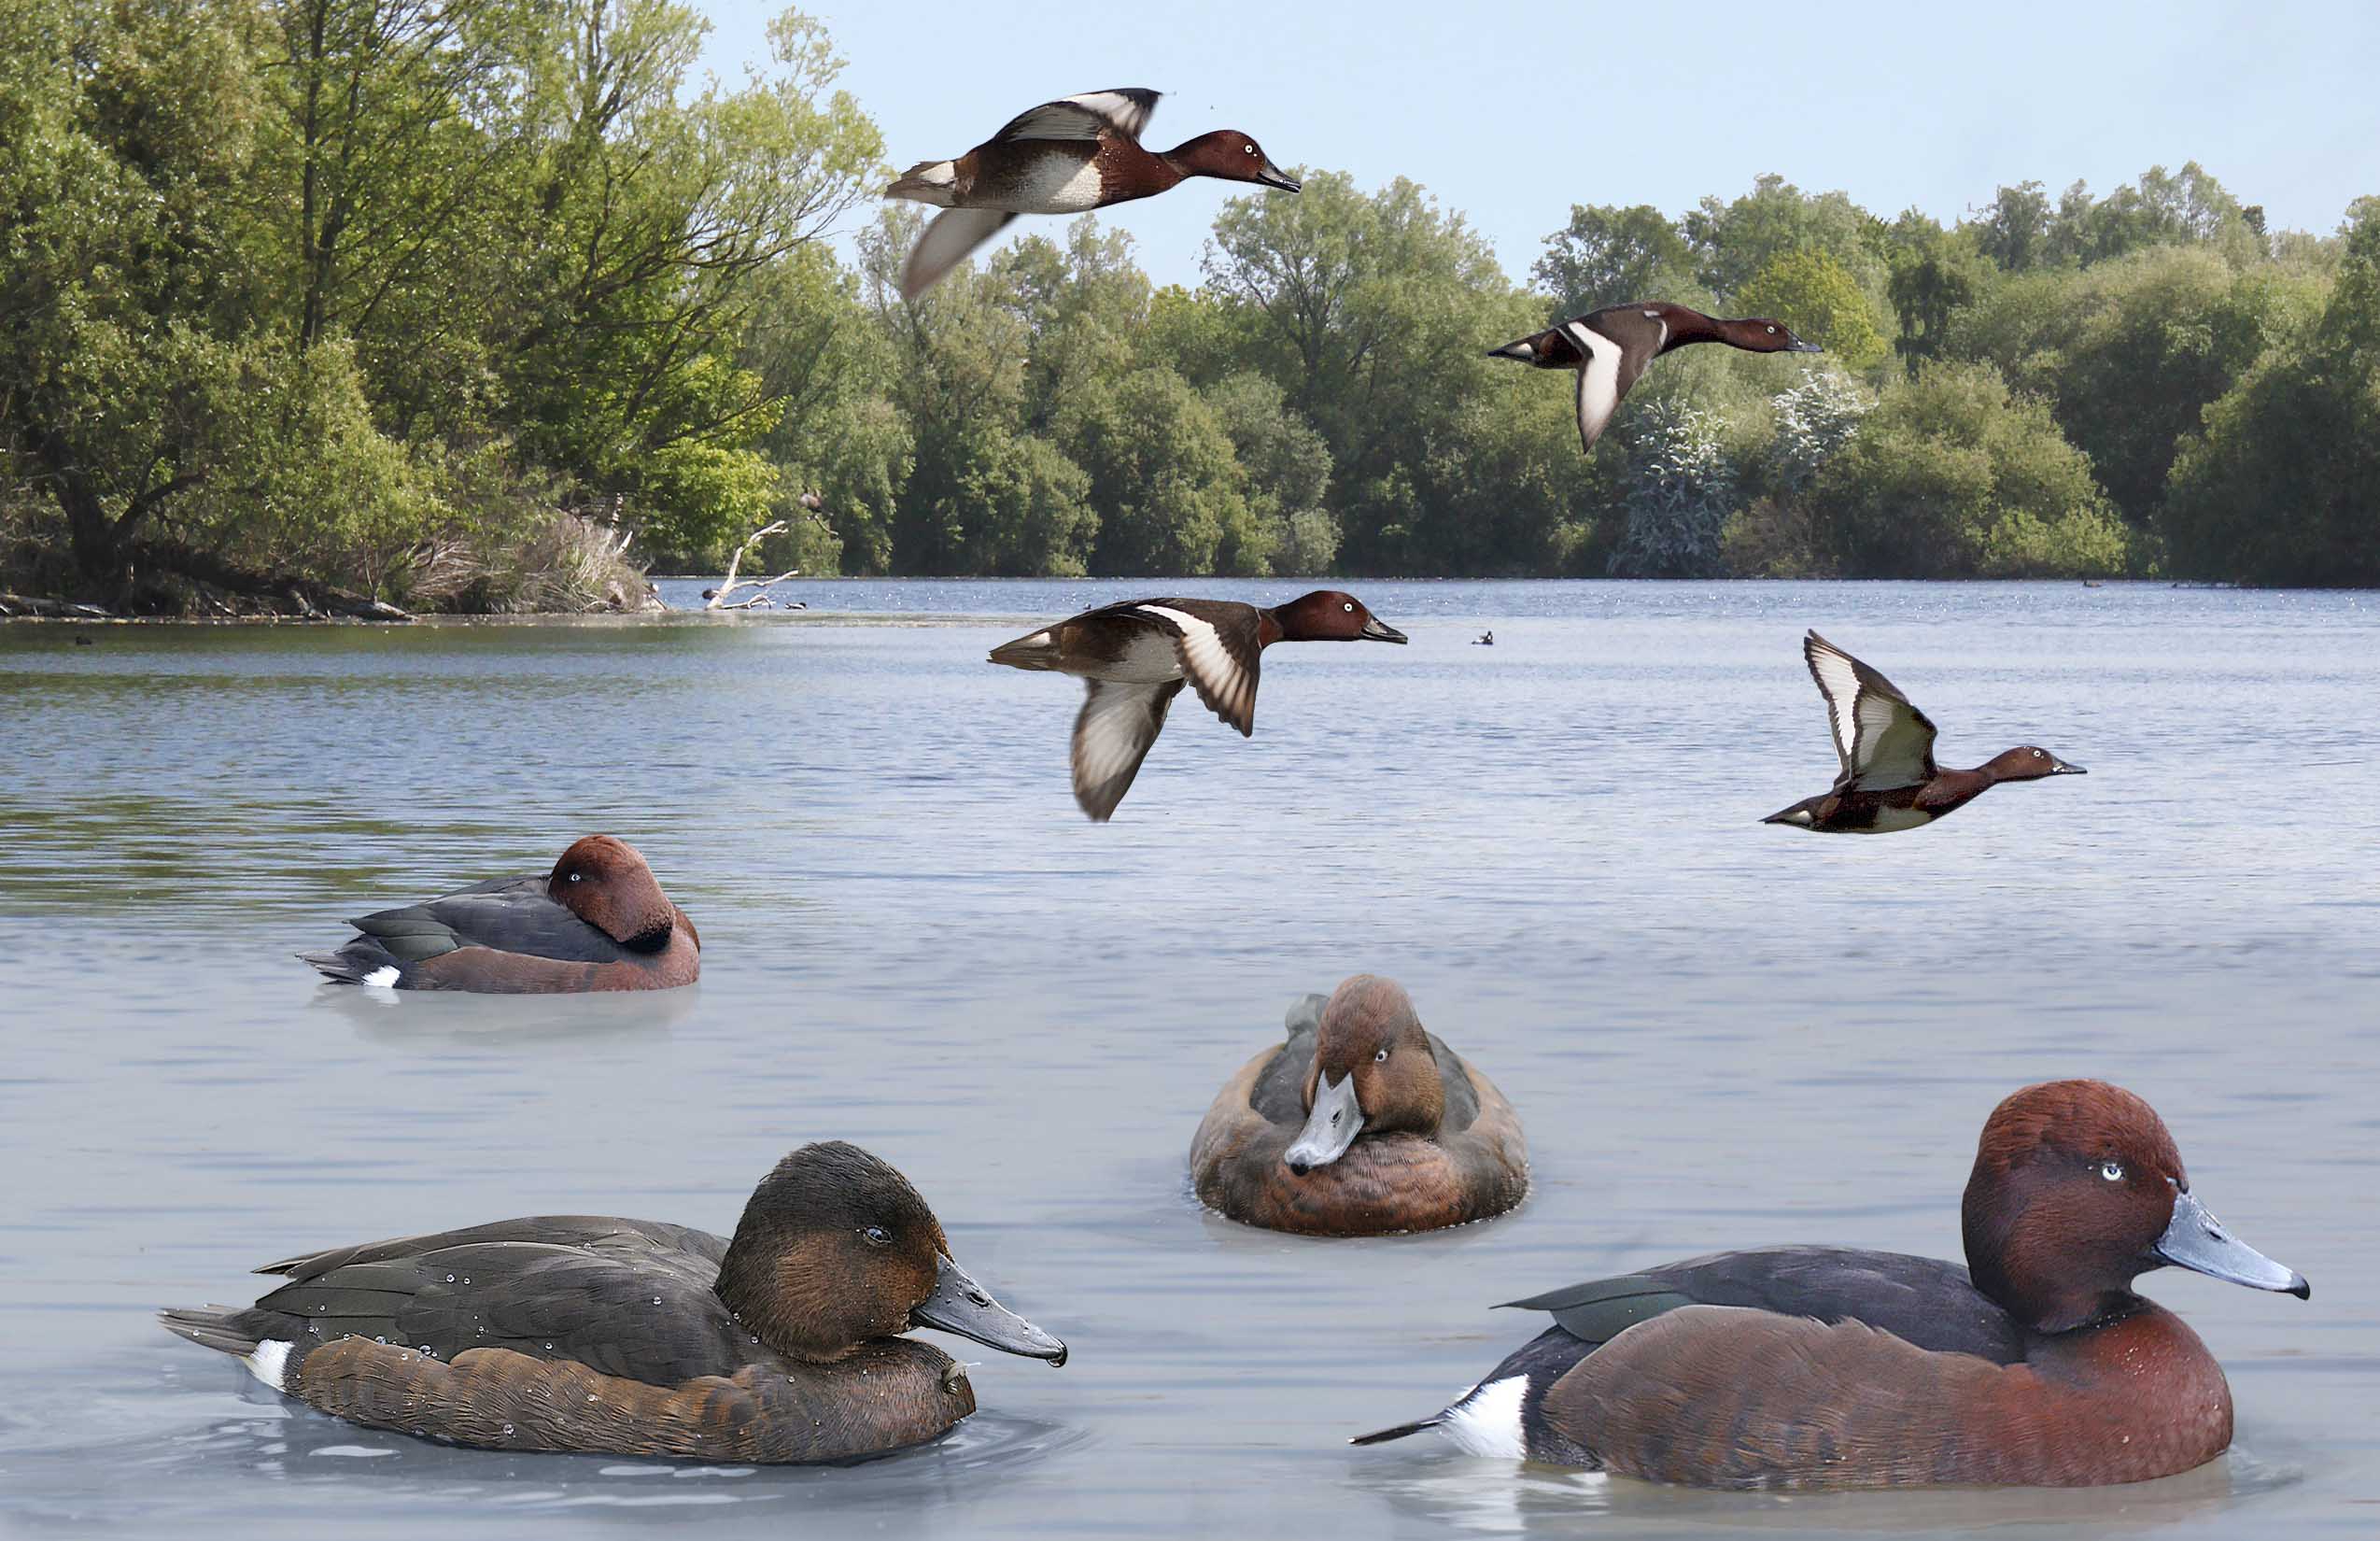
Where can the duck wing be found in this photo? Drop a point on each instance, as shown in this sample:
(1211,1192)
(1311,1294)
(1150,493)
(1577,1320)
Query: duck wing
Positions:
(1220,647)
(1926,1301)
(506,914)
(1882,741)
(1124,111)
(625,1297)
(953,233)
(1113,733)
(1598,381)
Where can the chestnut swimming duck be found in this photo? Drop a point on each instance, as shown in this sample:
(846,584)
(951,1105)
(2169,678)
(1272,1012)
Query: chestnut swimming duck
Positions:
(633,1338)
(1135,657)
(1064,157)
(1362,1124)
(1824,1368)
(1889,780)
(1611,347)
(598,921)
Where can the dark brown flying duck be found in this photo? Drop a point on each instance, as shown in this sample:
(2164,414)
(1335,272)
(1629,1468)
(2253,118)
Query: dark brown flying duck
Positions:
(1889,780)
(1611,347)
(1064,157)
(1135,657)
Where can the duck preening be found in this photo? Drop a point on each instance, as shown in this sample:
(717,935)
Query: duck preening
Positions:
(598,921)
(1611,347)
(1828,1367)
(635,1337)
(1889,780)
(1064,157)
(1362,1123)
(1135,657)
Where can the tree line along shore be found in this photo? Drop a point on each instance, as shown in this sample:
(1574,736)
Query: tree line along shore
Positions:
(469,306)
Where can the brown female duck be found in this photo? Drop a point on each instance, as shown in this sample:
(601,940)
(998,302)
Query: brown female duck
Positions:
(1362,1123)
(635,1337)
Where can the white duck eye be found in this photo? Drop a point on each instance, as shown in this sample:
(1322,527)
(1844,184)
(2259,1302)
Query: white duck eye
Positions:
(1349,608)
(2037,754)
(1380,1058)
(574,877)
(1772,331)
(2112,1170)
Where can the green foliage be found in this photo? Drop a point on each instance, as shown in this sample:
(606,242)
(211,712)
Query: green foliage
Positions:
(1952,476)
(1816,296)
(1608,256)
(1733,241)
(2300,432)
(1681,488)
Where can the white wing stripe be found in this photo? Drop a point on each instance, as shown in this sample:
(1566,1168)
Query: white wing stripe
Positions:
(1210,663)
(1839,683)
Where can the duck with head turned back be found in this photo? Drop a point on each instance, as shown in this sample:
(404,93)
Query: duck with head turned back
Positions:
(634,1337)
(598,921)
(1362,1124)
(1889,781)
(1611,347)
(1064,157)
(1135,657)
(2035,1365)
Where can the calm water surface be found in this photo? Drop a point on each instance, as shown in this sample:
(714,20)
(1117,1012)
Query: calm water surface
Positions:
(1717,1034)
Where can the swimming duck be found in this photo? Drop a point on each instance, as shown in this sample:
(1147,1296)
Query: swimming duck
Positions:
(1135,657)
(598,921)
(1485,639)
(1609,348)
(1363,1122)
(1824,1368)
(1064,157)
(635,1337)
(1889,780)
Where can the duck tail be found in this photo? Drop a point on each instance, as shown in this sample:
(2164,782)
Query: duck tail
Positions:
(1381,1436)
(927,182)
(361,961)
(1039,650)
(209,1328)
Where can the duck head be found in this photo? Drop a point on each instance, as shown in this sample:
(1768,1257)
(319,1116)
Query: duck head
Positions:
(1327,615)
(604,881)
(1374,1073)
(836,1248)
(1231,155)
(1752,333)
(2029,762)
(2076,1191)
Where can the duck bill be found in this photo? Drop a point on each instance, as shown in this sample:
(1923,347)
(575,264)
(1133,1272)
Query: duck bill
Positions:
(960,1305)
(2196,1240)
(1376,630)
(1525,350)
(1274,177)
(2062,769)
(1802,345)
(1330,1129)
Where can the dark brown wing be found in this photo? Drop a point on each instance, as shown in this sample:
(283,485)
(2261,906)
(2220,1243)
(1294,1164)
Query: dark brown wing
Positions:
(1881,739)
(1087,116)
(1220,649)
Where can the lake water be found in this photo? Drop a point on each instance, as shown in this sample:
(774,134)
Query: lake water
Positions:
(1716,1034)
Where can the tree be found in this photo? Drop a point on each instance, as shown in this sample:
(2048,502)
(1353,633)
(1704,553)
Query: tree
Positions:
(1681,492)
(1607,255)
(1733,241)
(1936,275)
(2014,233)
(2283,485)
(1815,295)
(1952,476)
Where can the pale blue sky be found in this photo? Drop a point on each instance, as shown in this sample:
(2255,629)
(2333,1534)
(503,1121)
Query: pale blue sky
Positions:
(1512,112)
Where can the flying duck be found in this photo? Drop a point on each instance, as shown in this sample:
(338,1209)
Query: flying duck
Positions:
(1611,347)
(1832,1367)
(598,921)
(1889,780)
(1135,657)
(636,1337)
(1064,157)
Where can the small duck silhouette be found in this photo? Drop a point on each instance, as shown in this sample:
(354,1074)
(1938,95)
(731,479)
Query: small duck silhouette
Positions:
(1485,639)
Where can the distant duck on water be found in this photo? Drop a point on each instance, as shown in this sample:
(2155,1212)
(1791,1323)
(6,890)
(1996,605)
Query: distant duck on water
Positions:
(1889,780)
(1611,347)
(1064,157)
(1135,657)
(1485,639)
